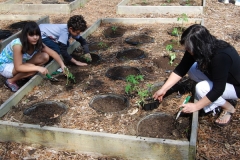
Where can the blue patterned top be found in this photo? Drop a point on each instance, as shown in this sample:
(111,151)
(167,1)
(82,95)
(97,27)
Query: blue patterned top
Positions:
(7,54)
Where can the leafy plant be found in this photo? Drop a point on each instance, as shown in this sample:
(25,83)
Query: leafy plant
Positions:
(171,54)
(132,82)
(114,28)
(168,1)
(69,75)
(102,44)
(183,18)
(133,86)
(172,57)
(176,33)
(86,58)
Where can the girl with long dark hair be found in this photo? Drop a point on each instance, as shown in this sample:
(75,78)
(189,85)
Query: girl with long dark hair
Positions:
(26,55)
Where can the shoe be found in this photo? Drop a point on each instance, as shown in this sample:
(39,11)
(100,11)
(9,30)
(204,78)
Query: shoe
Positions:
(12,86)
(224,113)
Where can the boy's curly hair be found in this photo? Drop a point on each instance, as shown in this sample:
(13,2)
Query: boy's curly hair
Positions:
(77,22)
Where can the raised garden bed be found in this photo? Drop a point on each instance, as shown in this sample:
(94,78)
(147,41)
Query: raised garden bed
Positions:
(82,128)
(38,6)
(161,7)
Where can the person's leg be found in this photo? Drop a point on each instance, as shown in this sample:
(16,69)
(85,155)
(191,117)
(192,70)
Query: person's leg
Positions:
(202,88)
(51,44)
(196,75)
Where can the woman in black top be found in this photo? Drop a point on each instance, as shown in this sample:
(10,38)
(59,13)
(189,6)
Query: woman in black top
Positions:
(215,65)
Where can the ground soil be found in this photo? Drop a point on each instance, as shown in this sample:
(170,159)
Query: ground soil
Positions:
(213,142)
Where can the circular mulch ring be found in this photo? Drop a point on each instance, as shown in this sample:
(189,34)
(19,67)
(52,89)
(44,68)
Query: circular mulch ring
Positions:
(131,54)
(139,39)
(109,103)
(121,72)
(79,56)
(161,125)
(46,111)
(5,34)
(113,32)
(94,47)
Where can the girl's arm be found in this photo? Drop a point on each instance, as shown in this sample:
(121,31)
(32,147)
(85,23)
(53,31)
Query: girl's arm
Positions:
(54,55)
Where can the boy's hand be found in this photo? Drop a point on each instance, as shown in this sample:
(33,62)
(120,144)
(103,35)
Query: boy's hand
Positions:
(88,57)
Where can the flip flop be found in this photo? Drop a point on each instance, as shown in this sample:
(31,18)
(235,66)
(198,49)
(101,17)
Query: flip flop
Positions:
(224,113)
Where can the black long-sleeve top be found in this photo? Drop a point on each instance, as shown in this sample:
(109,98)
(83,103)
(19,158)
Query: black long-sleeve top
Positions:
(224,68)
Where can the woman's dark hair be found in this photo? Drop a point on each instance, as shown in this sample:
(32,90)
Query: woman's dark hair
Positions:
(30,28)
(198,40)
(77,22)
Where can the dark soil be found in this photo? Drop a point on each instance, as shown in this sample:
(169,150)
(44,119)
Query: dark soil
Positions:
(114,32)
(131,54)
(139,39)
(43,112)
(164,126)
(109,103)
(96,46)
(177,47)
(121,72)
(163,62)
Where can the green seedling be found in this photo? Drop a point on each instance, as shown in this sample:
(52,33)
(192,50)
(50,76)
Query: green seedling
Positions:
(69,75)
(102,45)
(114,28)
(86,58)
(183,18)
(169,48)
(168,1)
(172,56)
(144,1)
(176,33)
(132,82)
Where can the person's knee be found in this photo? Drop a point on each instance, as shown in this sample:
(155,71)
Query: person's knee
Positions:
(202,88)
(44,58)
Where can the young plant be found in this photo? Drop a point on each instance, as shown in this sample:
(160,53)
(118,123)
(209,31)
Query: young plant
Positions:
(132,82)
(69,75)
(171,54)
(102,45)
(183,18)
(86,58)
(176,33)
(114,28)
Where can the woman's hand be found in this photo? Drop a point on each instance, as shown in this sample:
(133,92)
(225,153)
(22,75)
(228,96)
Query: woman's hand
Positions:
(159,94)
(42,70)
(189,107)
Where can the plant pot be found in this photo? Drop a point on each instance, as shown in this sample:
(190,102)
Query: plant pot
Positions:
(150,104)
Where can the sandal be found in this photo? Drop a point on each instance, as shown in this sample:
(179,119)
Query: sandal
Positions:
(13,86)
(224,113)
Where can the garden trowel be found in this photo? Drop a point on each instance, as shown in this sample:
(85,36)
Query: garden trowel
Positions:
(53,79)
(180,110)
